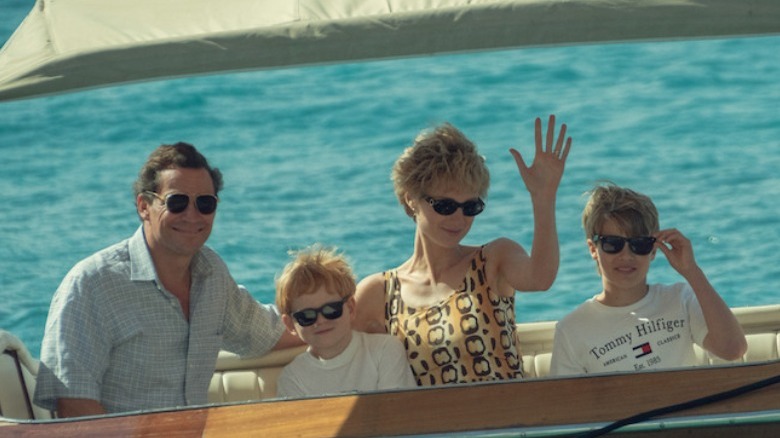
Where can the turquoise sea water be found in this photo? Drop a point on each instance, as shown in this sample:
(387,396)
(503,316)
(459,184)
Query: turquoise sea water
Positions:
(306,154)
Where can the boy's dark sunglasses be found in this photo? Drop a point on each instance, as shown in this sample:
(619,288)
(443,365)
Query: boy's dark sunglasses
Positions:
(614,244)
(178,202)
(334,310)
(447,206)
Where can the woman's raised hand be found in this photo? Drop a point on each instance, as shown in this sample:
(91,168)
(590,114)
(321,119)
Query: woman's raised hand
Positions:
(544,174)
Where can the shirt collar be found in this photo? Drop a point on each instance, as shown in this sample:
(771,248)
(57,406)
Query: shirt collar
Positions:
(142,266)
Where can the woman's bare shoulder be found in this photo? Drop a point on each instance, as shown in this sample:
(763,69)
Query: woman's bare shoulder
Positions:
(371,284)
(502,244)
(504,258)
(370,304)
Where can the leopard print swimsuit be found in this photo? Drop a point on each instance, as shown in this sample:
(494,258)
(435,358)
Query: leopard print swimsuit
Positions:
(468,337)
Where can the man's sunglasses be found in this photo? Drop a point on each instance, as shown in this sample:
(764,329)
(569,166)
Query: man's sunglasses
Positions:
(178,202)
(447,206)
(614,244)
(334,310)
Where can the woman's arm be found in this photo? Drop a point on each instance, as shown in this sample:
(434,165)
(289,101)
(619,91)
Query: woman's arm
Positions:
(370,305)
(542,178)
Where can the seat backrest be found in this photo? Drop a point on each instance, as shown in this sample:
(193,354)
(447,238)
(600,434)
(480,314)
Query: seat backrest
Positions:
(239,379)
(18,371)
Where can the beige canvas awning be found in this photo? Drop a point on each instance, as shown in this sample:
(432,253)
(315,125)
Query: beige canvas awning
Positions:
(66,45)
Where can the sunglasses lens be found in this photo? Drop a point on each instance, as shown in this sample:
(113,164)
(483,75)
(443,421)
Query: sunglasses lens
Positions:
(612,244)
(641,245)
(207,204)
(332,310)
(177,203)
(444,207)
(637,245)
(305,317)
(473,208)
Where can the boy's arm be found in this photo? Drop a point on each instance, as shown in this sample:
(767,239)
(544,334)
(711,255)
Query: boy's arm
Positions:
(725,338)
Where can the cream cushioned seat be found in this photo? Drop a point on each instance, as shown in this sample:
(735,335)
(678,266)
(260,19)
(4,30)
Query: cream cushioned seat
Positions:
(242,379)
(239,379)
(18,371)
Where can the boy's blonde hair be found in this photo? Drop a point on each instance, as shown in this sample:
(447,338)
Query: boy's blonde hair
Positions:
(310,269)
(439,159)
(633,212)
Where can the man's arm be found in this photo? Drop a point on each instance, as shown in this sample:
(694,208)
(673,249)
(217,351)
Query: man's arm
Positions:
(76,347)
(78,407)
(287,340)
(251,328)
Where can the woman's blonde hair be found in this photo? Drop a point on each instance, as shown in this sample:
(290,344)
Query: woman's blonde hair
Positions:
(439,159)
(633,212)
(310,269)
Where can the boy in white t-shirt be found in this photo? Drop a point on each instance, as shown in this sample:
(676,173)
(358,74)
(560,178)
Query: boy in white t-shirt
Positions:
(315,294)
(630,325)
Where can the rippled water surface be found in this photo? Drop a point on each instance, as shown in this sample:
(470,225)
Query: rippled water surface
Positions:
(306,154)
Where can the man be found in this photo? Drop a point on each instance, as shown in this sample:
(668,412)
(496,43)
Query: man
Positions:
(139,325)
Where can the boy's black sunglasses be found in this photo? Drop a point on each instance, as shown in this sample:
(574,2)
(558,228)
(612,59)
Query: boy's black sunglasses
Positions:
(334,310)
(447,206)
(642,245)
(178,202)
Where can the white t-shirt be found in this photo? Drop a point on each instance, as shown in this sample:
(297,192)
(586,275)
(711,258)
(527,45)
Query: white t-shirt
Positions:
(371,361)
(656,332)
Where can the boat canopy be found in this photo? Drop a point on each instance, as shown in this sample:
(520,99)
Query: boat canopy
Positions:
(67,45)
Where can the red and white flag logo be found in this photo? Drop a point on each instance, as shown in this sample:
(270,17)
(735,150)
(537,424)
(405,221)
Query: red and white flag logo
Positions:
(643,350)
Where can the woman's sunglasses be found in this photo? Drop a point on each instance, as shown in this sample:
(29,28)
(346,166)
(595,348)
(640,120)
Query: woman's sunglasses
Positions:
(614,244)
(447,206)
(178,202)
(334,310)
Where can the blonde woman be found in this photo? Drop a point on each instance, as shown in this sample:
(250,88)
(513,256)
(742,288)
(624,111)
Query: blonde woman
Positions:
(452,305)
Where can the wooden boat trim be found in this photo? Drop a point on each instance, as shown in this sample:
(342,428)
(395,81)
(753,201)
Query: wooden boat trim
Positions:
(481,407)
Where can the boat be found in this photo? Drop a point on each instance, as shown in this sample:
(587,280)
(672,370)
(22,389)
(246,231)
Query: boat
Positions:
(715,398)
(71,45)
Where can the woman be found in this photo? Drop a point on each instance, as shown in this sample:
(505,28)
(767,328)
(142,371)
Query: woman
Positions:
(453,305)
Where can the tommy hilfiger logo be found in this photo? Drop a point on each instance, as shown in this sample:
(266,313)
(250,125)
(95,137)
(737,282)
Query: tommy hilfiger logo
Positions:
(642,350)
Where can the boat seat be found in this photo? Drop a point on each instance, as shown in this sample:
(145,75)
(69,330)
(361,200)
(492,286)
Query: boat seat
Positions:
(242,379)
(238,379)
(18,371)
(762,331)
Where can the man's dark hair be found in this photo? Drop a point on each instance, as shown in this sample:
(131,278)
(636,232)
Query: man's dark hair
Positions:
(173,156)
